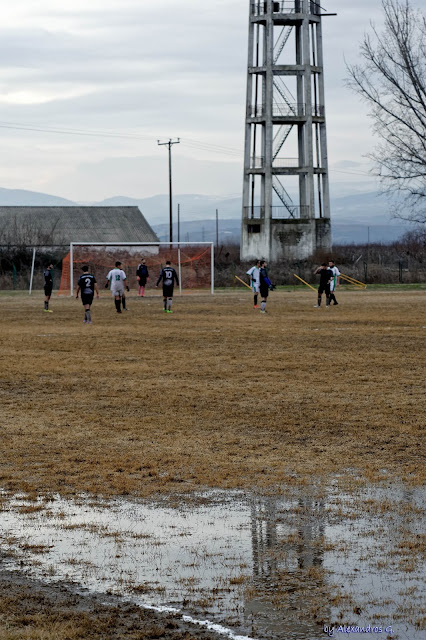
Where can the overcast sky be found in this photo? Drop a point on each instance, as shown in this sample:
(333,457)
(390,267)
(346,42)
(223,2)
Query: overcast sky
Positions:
(148,69)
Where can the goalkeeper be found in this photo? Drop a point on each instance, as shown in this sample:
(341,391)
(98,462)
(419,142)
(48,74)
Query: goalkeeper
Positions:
(265,285)
(117,279)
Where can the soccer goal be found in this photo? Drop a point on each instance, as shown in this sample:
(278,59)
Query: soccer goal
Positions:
(194,262)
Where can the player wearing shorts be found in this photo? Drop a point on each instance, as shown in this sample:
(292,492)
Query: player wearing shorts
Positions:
(116,279)
(169,276)
(264,285)
(48,286)
(87,285)
(254,274)
(142,276)
(325,275)
(335,280)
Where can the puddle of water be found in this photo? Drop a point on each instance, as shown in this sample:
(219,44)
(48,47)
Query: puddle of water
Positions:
(264,567)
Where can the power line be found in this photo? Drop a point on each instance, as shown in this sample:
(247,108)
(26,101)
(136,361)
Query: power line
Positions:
(200,145)
(196,144)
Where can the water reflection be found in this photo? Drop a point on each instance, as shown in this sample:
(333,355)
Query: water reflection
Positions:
(263,566)
(287,551)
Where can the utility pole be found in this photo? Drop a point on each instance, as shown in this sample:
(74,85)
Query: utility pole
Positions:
(169,145)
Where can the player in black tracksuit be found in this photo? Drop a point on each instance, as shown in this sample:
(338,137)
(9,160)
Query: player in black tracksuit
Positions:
(325,275)
(142,276)
(48,286)
(169,276)
(87,285)
(264,285)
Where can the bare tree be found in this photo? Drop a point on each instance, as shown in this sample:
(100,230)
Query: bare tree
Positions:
(392,80)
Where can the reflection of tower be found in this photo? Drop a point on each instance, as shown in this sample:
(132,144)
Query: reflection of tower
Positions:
(286,541)
(285,117)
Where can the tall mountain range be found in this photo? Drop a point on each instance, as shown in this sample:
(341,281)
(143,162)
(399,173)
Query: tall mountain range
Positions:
(356,218)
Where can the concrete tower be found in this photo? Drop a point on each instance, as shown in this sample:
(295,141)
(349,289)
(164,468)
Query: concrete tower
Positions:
(286,206)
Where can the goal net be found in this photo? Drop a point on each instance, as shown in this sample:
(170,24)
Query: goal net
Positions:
(194,263)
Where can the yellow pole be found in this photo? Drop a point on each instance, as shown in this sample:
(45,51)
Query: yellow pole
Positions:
(244,283)
(353,281)
(308,285)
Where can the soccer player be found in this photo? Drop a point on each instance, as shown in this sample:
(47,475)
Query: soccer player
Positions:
(87,285)
(169,276)
(335,281)
(264,285)
(117,279)
(142,276)
(48,286)
(254,273)
(325,275)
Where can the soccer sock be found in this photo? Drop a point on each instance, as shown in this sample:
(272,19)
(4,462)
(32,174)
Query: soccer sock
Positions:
(255,299)
(46,304)
(117,304)
(263,305)
(319,301)
(143,291)
(327,301)
(88,316)
(165,304)
(170,304)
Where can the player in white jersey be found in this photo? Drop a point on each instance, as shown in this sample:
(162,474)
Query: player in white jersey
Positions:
(335,280)
(117,280)
(254,274)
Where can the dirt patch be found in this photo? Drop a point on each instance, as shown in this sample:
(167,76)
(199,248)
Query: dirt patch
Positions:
(31,609)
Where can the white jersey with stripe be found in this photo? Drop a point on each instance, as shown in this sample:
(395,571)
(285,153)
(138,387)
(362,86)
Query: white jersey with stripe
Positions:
(254,274)
(333,281)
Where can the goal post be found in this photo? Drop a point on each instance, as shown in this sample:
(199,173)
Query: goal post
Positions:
(194,262)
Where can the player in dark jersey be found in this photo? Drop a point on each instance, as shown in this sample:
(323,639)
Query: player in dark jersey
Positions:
(325,275)
(264,285)
(48,286)
(142,276)
(169,276)
(87,285)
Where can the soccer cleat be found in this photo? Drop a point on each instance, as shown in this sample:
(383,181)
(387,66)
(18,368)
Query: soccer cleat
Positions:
(335,303)
(169,311)
(256,306)
(327,306)
(263,311)
(118,311)
(317,306)
(48,310)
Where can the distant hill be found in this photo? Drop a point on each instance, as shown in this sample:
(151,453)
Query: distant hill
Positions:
(229,232)
(23,198)
(354,217)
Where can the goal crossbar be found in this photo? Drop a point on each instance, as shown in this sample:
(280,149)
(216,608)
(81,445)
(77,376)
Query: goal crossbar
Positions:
(145,244)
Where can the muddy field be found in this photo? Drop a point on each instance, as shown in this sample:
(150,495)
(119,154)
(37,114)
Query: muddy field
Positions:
(158,406)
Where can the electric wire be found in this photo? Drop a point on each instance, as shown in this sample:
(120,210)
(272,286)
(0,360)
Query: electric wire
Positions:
(200,145)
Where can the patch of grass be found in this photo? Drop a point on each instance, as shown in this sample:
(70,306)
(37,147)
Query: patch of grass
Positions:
(215,395)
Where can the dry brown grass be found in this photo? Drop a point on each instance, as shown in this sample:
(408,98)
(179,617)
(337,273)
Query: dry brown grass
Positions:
(214,395)
(35,611)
